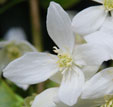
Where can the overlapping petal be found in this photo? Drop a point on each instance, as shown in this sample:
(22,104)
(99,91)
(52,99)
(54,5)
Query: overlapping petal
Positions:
(104,41)
(99,85)
(46,98)
(57,77)
(31,68)
(71,86)
(94,54)
(59,27)
(107,26)
(89,20)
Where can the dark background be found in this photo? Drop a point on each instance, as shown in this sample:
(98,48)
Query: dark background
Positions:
(19,16)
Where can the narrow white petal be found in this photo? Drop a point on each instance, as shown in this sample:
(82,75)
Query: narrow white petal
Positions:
(99,85)
(46,98)
(59,27)
(89,20)
(71,86)
(31,68)
(99,1)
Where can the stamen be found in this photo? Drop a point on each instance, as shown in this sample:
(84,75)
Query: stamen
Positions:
(108,4)
(12,51)
(109,102)
(64,59)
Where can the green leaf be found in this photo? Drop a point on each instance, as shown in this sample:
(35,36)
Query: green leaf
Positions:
(64,3)
(7,97)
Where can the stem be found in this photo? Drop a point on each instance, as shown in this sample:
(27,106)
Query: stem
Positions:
(36,31)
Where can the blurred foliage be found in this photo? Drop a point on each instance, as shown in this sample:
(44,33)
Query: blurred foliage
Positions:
(64,3)
(44,3)
(9,5)
(7,97)
(2,1)
(49,84)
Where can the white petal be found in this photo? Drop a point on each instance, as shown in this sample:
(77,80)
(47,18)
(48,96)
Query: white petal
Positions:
(93,54)
(99,1)
(104,40)
(24,87)
(26,46)
(31,68)
(89,20)
(57,77)
(89,102)
(89,71)
(107,26)
(46,98)
(15,34)
(99,85)
(59,27)
(71,86)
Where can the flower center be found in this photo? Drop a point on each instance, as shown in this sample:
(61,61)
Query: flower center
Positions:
(64,59)
(12,51)
(109,102)
(108,4)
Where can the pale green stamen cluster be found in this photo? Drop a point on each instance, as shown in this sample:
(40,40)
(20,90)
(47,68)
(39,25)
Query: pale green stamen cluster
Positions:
(64,59)
(12,51)
(108,103)
(108,4)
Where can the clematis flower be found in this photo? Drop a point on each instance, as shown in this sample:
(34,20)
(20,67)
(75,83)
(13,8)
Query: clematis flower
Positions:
(100,86)
(91,19)
(49,98)
(98,91)
(67,68)
(12,48)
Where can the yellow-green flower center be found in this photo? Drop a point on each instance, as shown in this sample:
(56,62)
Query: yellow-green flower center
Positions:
(65,60)
(109,103)
(12,51)
(108,4)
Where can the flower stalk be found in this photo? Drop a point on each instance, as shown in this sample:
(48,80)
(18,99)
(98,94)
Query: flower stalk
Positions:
(36,30)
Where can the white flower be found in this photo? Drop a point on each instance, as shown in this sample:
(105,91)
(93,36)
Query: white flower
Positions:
(68,67)
(13,47)
(10,50)
(91,19)
(49,98)
(98,91)
(100,87)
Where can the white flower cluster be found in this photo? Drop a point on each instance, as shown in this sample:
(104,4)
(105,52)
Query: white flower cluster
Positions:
(75,67)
